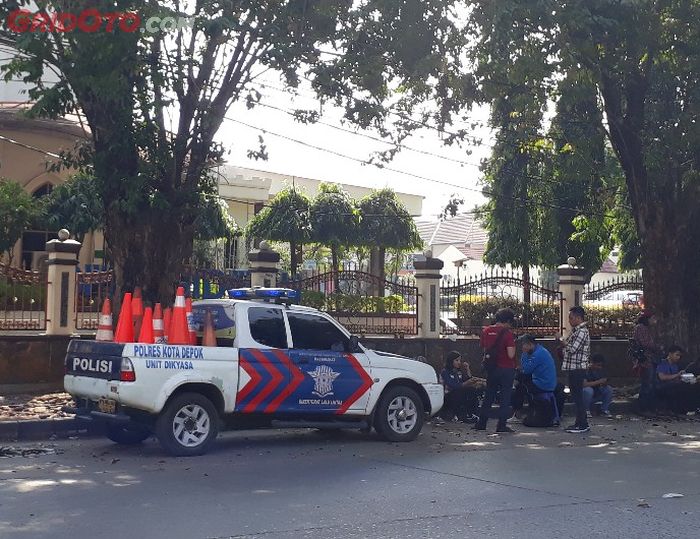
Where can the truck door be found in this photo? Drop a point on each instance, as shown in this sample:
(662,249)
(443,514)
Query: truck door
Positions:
(333,380)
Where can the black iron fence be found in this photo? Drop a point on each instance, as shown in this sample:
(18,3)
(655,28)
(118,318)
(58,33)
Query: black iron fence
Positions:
(211,283)
(467,306)
(363,303)
(22,299)
(91,289)
(613,306)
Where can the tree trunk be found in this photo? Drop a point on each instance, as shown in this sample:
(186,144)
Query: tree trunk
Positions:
(335,268)
(293,260)
(526,284)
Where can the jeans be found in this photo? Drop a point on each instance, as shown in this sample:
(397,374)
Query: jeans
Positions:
(647,391)
(461,402)
(594,394)
(576,379)
(498,379)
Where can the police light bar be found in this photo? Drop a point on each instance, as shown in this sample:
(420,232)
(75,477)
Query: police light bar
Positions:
(264,293)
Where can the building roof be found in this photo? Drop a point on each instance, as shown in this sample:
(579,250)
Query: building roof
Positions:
(462,231)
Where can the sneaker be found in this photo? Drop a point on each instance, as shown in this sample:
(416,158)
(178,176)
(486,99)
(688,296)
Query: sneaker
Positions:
(470,419)
(556,424)
(505,430)
(574,429)
(589,415)
(606,413)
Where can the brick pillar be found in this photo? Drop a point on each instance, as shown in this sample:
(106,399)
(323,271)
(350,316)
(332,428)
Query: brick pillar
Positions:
(60,298)
(572,280)
(264,266)
(428,283)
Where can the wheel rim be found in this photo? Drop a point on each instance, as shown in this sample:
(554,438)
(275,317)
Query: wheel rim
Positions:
(402,415)
(191,425)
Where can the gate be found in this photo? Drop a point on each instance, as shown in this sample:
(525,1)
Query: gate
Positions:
(465,308)
(612,307)
(22,299)
(364,303)
(212,284)
(91,289)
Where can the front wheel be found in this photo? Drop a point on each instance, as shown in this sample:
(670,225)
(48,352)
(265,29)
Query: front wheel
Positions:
(188,425)
(399,416)
(127,434)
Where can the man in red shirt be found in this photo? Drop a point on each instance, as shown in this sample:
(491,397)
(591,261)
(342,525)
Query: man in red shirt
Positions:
(499,344)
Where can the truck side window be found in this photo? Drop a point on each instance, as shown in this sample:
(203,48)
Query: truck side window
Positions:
(267,327)
(311,332)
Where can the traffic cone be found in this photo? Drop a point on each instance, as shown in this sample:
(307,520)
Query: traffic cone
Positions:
(125,325)
(179,331)
(167,320)
(137,310)
(158,326)
(105,327)
(209,336)
(190,322)
(146,334)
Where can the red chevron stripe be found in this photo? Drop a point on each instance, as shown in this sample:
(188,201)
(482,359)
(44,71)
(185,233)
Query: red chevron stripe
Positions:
(296,380)
(366,384)
(277,377)
(255,379)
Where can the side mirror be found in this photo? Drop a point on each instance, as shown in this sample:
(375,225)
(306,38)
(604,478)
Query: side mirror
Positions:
(355,345)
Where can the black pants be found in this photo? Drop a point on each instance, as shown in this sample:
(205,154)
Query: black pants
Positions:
(461,402)
(576,379)
(498,379)
(680,397)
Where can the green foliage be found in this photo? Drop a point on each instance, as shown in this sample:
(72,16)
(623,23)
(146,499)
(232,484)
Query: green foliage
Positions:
(385,222)
(213,219)
(478,312)
(333,216)
(18,210)
(75,204)
(286,218)
(354,303)
(20,296)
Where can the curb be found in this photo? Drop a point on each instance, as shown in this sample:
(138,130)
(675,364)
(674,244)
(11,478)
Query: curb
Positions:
(44,429)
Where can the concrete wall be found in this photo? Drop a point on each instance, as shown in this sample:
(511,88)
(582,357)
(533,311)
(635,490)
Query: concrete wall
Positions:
(36,360)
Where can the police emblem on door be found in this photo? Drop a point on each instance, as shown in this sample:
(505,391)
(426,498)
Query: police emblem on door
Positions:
(323,377)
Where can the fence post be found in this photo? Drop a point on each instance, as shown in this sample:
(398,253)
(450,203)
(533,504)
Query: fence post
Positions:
(428,283)
(60,293)
(264,265)
(572,280)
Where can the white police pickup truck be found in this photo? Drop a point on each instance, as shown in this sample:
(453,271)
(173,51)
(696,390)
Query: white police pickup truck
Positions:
(276,365)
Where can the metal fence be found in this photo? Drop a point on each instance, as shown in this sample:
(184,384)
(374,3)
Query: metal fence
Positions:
(22,299)
(211,283)
(613,306)
(467,306)
(91,289)
(365,304)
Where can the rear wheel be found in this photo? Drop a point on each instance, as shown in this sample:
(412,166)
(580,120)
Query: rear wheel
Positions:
(399,416)
(188,425)
(129,434)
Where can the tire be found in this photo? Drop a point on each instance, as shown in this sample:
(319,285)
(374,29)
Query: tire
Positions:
(395,402)
(188,425)
(130,434)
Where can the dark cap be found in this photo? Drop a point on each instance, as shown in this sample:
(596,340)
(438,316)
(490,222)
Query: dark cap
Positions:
(451,356)
(527,337)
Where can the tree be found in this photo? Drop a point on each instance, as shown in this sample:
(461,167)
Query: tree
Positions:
(287,218)
(128,85)
(386,224)
(334,220)
(644,58)
(75,205)
(18,210)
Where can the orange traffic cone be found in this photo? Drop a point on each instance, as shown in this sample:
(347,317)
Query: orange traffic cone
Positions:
(190,322)
(209,336)
(137,310)
(125,325)
(158,328)
(105,327)
(179,332)
(167,320)
(146,334)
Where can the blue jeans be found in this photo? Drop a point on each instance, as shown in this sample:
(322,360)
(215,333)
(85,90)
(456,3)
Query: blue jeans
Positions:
(594,394)
(497,379)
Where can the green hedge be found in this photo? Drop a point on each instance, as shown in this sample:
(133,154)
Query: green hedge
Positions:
(476,312)
(24,294)
(354,304)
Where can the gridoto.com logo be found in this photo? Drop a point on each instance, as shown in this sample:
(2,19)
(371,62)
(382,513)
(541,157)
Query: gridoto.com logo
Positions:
(92,20)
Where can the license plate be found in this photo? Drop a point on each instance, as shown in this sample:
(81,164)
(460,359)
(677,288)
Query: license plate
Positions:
(107,406)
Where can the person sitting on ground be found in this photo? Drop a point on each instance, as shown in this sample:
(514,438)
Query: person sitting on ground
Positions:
(596,387)
(461,393)
(539,376)
(680,397)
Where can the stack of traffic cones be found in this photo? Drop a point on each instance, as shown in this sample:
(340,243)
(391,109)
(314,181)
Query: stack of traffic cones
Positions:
(190,322)
(105,327)
(137,310)
(146,333)
(125,325)
(158,328)
(179,331)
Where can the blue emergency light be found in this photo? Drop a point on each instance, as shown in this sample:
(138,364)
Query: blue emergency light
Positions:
(264,293)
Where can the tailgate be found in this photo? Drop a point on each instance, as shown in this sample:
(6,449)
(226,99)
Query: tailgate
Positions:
(94,359)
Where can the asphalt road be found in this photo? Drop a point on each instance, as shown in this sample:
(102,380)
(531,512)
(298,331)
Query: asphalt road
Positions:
(452,482)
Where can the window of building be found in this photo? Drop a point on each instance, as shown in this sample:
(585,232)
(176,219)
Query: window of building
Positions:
(313,332)
(267,327)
